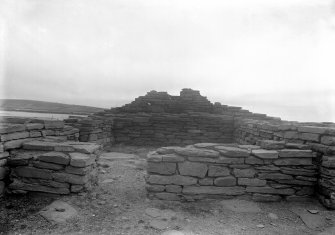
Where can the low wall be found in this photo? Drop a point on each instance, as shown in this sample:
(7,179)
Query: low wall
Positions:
(277,171)
(53,167)
(14,132)
(169,129)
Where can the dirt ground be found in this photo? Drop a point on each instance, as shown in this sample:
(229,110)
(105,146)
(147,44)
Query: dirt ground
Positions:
(119,204)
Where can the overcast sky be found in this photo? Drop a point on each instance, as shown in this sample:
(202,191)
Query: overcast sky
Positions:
(274,57)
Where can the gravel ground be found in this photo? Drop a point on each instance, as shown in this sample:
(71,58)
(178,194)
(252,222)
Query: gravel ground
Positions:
(118,206)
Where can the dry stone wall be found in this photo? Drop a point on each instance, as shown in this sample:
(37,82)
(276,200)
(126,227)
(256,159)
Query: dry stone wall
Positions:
(207,170)
(320,137)
(53,167)
(14,132)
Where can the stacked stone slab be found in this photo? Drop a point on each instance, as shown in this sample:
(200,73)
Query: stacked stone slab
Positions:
(272,172)
(53,167)
(14,132)
(326,190)
(168,129)
(93,129)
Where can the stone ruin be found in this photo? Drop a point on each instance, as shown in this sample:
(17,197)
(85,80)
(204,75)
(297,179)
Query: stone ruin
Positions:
(219,151)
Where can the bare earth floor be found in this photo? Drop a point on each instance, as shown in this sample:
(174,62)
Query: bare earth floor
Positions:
(119,206)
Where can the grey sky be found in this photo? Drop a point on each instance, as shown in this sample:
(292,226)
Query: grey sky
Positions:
(275,57)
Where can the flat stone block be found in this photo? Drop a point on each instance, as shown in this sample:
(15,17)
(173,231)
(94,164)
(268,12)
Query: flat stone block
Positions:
(192,169)
(269,190)
(173,188)
(10,128)
(155,188)
(168,196)
(293,162)
(34,126)
(293,153)
(254,161)
(54,157)
(19,185)
(313,129)
(172,158)
(225,181)
(215,171)
(265,154)
(229,160)
(206,181)
(297,146)
(14,144)
(14,136)
(4,155)
(310,137)
(81,159)
(251,182)
(274,176)
(271,144)
(197,152)
(47,165)
(70,178)
(173,179)
(249,147)
(328,140)
(39,145)
(244,173)
(231,191)
(228,151)
(163,168)
(32,172)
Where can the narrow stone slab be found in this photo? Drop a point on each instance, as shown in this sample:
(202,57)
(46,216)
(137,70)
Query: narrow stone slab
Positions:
(293,162)
(163,168)
(225,181)
(274,176)
(54,157)
(115,156)
(39,145)
(232,151)
(206,145)
(47,165)
(265,154)
(313,129)
(251,182)
(295,153)
(58,212)
(10,128)
(244,173)
(174,179)
(32,172)
(70,178)
(249,147)
(14,136)
(81,159)
(271,144)
(269,190)
(53,187)
(197,152)
(237,190)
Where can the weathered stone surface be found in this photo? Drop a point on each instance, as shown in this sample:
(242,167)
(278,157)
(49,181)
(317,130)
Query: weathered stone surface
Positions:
(77,170)
(265,154)
(70,178)
(241,206)
(206,181)
(14,144)
(294,171)
(269,190)
(265,197)
(251,182)
(47,165)
(254,161)
(81,159)
(213,190)
(167,150)
(3,162)
(249,147)
(10,128)
(225,181)
(19,185)
(310,137)
(232,151)
(267,168)
(34,126)
(271,144)
(201,159)
(192,169)
(297,146)
(58,212)
(295,153)
(296,182)
(206,145)
(34,134)
(76,188)
(291,135)
(328,140)
(313,129)
(14,136)
(155,188)
(244,173)
(172,158)
(3,172)
(312,179)
(229,160)
(214,171)
(173,188)
(54,124)
(168,196)
(154,157)
(274,176)
(32,172)
(163,168)
(293,162)
(197,152)
(54,157)
(4,155)
(174,179)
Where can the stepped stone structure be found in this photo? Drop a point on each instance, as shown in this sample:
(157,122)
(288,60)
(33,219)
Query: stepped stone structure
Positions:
(217,151)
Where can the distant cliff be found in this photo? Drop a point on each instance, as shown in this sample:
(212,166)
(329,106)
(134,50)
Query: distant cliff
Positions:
(45,107)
